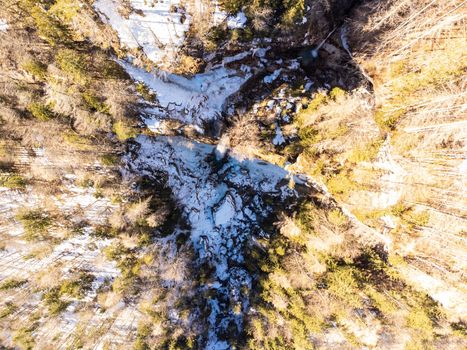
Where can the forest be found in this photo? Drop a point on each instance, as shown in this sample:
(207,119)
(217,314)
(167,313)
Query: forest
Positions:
(233,174)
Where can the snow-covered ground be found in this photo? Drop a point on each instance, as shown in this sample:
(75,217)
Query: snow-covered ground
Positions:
(3,25)
(224,202)
(192,101)
(158,27)
(57,259)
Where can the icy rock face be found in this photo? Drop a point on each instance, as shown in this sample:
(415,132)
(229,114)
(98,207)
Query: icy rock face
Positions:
(224,204)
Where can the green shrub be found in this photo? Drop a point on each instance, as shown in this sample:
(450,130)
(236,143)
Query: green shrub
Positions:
(23,337)
(295,10)
(341,184)
(112,70)
(337,93)
(409,216)
(318,100)
(66,9)
(12,283)
(9,309)
(366,153)
(116,251)
(36,68)
(418,320)
(49,28)
(380,301)
(94,103)
(233,6)
(338,218)
(41,111)
(77,287)
(14,182)
(309,135)
(124,131)
(129,265)
(215,36)
(387,119)
(343,284)
(398,209)
(140,344)
(307,217)
(80,142)
(144,330)
(338,131)
(73,63)
(110,159)
(53,301)
(460,329)
(146,92)
(36,223)
(418,218)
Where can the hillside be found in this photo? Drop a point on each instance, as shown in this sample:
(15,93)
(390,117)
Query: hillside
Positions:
(203,174)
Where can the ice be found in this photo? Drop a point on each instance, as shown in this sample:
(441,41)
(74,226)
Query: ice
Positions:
(222,200)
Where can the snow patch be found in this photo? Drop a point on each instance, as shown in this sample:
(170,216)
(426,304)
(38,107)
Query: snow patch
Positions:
(218,15)
(225,212)
(279,138)
(192,101)
(3,25)
(236,22)
(392,177)
(270,78)
(158,27)
(235,58)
